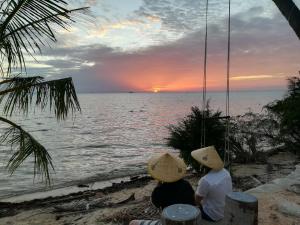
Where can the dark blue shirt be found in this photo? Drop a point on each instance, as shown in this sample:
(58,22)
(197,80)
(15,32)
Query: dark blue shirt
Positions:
(179,192)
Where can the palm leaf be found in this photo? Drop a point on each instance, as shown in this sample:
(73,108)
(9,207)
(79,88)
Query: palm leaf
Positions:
(26,25)
(25,145)
(20,93)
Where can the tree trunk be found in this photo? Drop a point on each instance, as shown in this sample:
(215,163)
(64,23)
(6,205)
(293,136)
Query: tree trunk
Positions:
(291,12)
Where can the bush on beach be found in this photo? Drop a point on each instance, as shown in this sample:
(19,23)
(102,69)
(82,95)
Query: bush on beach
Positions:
(185,136)
(250,135)
(287,115)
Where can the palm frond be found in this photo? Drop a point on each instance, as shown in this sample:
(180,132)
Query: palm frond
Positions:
(24,146)
(20,93)
(25,25)
(18,81)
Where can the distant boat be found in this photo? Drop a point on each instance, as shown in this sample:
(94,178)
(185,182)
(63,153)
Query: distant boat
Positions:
(131,92)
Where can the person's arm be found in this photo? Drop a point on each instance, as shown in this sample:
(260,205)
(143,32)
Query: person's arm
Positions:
(198,199)
(201,191)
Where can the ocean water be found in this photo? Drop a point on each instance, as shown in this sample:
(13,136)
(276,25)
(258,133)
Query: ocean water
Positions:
(113,136)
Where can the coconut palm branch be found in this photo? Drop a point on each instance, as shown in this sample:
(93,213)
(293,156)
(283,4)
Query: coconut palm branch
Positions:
(24,145)
(19,93)
(26,25)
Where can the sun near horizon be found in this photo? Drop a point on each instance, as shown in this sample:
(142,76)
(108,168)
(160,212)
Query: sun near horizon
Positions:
(156,89)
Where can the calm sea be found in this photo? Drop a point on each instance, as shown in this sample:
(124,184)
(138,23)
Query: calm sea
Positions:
(113,136)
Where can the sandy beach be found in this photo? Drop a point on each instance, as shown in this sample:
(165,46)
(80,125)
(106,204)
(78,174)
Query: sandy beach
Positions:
(128,200)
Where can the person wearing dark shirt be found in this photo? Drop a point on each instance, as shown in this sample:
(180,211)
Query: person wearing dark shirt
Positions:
(178,192)
(169,171)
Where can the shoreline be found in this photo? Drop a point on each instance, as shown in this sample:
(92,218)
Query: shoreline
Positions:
(68,190)
(98,183)
(75,185)
(242,173)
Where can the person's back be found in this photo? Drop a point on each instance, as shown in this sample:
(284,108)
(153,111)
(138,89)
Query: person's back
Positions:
(214,187)
(169,170)
(179,192)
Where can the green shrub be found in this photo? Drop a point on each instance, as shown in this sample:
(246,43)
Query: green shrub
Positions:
(287,112)
(251,135)
(186,135)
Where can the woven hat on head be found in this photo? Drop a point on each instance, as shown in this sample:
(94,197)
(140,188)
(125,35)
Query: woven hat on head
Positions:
(166,167)
(208,157)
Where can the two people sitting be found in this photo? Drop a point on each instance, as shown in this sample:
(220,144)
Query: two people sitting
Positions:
(210,194)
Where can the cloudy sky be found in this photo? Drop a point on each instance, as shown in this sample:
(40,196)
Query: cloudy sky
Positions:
(158,45)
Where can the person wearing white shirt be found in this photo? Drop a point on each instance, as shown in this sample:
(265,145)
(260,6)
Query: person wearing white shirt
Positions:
(214,186)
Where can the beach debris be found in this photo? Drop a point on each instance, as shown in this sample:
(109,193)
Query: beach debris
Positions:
(130,198)
(7,212)
(295,188)
(140,209)
(86,205)
(134,178)
(83,186)
(289,208)
(9,209)
(82,205)
(256,181)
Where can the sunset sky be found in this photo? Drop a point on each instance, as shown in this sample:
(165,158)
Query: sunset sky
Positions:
(158,45)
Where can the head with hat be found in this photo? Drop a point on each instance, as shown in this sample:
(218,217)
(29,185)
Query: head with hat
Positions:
(166,167)
(208,157)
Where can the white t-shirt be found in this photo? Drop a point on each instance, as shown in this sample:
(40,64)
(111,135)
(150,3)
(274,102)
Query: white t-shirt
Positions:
(214,187)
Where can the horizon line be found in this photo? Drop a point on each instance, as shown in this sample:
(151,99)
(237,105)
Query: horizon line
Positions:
(184,92)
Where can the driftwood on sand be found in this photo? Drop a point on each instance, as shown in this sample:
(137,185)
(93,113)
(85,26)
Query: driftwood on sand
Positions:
(142,209)
(88,206)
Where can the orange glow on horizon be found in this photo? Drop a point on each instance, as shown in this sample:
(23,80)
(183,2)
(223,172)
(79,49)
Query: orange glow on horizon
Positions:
(171,77)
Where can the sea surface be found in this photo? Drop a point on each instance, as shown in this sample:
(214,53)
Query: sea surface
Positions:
(113,136)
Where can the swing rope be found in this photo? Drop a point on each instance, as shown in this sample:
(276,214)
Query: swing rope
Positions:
(204,103)
(227,132)
(204,81)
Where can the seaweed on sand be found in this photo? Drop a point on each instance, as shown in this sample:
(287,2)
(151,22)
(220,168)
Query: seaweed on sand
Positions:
(141,210)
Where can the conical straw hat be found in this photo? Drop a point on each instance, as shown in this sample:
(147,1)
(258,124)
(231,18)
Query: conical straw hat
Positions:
(166,167)
(208,157)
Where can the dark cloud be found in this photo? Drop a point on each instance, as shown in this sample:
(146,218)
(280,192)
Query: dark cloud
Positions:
(189,15)
(260,45)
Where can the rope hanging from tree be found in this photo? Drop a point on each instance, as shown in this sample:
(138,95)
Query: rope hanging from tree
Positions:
(204,101)
(227,141)
(204,80)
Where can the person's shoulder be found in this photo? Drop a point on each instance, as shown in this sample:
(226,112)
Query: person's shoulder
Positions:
(212,175)
(185,182)
(225,171)
(157,188)
(204,180)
